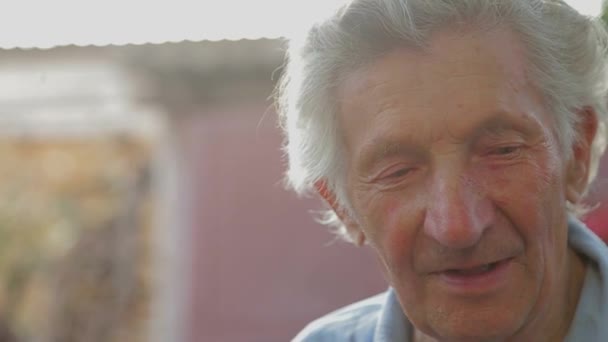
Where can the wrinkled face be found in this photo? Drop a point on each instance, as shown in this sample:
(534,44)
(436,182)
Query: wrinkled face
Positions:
(456,179)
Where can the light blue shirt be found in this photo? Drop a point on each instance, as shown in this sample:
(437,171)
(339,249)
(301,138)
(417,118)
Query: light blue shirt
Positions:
(380,318)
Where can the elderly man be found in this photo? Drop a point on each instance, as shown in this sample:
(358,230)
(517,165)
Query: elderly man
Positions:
(456,138)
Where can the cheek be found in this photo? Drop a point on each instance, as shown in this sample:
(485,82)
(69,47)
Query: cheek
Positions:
(382,217)
(392,213)
(530,183)
(530,195)
(391,229)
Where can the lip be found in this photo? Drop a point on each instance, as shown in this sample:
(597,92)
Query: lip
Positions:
(477,284)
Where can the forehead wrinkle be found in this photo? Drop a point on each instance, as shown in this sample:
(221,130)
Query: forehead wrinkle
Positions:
(389,120)
(378,95)
(389,99)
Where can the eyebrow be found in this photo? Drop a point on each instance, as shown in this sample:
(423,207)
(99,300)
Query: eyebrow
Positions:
(502,123)
(495,125)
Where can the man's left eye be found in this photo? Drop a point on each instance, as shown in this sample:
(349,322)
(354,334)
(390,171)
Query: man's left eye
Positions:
(506,150)
(510,150)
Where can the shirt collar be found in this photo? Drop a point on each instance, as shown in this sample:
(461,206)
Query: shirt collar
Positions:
(392,323)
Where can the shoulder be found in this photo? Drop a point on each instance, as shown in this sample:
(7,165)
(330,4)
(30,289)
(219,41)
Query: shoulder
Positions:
(355,322)
(583,240)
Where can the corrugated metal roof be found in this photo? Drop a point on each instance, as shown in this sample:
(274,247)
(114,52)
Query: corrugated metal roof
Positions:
(46,24)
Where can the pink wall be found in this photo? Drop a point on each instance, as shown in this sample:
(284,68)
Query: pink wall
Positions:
(262,267)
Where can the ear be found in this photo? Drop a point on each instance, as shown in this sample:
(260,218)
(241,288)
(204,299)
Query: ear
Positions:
(578,167)
(353,229)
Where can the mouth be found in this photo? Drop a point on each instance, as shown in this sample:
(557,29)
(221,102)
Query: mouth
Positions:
(473,271)
(478,279)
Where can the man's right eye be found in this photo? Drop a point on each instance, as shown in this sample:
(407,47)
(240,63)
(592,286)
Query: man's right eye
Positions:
(400,173)
(395,174)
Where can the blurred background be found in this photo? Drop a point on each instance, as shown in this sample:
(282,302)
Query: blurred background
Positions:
(141,193)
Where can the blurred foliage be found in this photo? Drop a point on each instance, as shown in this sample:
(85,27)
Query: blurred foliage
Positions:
(75,228)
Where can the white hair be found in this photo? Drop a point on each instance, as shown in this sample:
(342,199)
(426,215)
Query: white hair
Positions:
(567,64)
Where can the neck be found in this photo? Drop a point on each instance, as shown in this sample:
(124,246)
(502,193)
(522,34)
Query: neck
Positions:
(575,274)
(559,315)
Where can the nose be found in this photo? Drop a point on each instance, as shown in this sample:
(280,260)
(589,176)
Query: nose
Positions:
(457,212)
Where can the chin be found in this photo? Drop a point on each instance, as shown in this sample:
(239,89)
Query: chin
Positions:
(480,326)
